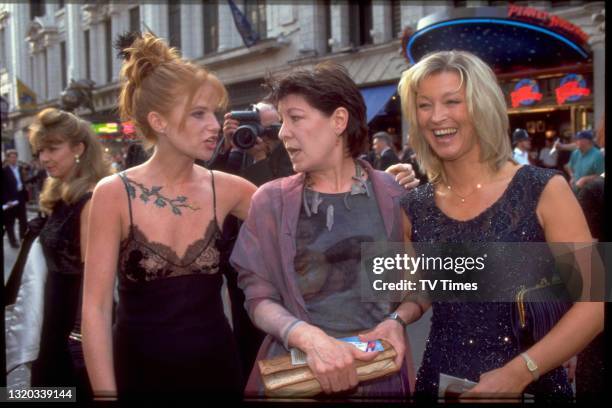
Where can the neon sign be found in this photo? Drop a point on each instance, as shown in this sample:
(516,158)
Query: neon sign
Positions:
(571,89)
(551,22)
(105,128)
(526,92)
(128,128)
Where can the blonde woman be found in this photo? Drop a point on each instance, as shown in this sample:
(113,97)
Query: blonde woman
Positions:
(477,193)
(155,227)
(70,152)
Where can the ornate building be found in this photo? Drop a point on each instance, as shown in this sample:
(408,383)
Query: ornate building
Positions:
(45,45)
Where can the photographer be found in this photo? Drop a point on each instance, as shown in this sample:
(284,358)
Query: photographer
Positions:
(255,151)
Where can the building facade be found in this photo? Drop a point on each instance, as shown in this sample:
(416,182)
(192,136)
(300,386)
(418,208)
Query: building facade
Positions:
(45,45)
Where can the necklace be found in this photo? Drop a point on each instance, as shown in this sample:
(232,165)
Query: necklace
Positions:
(462,198)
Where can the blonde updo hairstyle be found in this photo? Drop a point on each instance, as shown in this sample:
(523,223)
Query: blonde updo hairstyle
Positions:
(485,102)
(53,126)
(154,78)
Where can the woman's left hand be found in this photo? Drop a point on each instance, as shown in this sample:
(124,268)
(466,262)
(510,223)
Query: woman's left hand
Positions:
(392,332)
(501,383)
(404,175)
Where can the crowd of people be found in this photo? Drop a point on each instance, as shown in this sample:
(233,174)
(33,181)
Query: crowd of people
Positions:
(136,253)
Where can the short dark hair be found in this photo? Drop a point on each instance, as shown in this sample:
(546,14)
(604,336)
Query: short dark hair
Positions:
(327,87)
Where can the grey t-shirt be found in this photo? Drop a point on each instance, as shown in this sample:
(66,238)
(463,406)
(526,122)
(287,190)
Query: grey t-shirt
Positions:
(327,262)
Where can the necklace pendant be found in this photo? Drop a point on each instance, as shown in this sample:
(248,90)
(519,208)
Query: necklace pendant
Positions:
(463,200)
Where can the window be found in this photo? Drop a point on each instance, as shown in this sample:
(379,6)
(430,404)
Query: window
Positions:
(63,65)
(60,4)
(255,11)
(328,30)
(210,8)
(360,20)
(396,18)
(2,49)
(46,68)
(135,19)
(37,8)
(87,55)
(174,24)
(108,49)
(32,67)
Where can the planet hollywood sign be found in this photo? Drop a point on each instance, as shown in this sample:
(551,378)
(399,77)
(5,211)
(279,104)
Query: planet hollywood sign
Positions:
(570,88)
(526,92)
(552,22)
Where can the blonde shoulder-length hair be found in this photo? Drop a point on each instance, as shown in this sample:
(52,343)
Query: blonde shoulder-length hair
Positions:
(485,101)
(52,126)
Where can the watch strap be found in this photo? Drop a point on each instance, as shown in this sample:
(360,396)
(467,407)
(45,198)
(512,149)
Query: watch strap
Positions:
(395,316)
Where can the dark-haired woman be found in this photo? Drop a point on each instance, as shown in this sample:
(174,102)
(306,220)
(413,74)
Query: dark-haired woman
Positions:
(72,156)
(298,253)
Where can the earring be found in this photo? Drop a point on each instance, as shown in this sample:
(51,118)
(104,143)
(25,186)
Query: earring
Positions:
(77,159)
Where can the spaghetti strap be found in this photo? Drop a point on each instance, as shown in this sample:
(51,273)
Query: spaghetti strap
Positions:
(123,178)
(212,177)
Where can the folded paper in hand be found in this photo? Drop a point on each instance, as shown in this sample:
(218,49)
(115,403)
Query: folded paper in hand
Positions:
(451,387)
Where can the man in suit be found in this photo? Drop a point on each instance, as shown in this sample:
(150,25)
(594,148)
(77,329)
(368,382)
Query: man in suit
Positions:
(385,156)
(14,197)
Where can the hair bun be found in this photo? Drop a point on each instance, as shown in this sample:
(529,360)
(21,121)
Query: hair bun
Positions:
(50,116)
(145,53)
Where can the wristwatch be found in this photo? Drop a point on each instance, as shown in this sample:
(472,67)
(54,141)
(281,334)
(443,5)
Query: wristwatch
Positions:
(395,316)
(531,366)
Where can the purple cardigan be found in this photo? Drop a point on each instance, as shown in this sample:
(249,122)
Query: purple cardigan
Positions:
(265,250)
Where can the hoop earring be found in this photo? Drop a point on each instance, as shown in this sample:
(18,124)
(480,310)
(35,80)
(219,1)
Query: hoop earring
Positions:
(77,159)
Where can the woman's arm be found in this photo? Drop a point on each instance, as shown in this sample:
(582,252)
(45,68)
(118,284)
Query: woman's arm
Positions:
(83,227)
(563,221)
(234,194)
(410,310)
(104,234)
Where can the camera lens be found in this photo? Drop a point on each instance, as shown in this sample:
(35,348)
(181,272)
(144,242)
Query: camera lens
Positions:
(245,137)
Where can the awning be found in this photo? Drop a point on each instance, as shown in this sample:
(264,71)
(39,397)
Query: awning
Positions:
(376,97)
(509,38)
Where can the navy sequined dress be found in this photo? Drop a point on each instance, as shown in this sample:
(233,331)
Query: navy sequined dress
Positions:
(469,339)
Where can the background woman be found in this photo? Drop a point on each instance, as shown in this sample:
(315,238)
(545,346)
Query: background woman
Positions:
(477,193)
(298,253)
(156,227)
(71,154)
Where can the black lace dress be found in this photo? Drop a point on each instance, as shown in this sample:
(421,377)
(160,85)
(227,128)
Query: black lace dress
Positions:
(171,337)
(60,361)
(469,339)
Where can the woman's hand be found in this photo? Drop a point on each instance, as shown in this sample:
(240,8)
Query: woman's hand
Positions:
(404,175)
(392,332)
(505,382)
(331,360)
(570,365)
